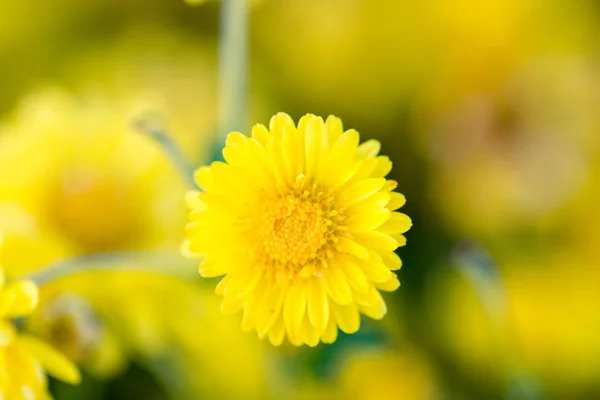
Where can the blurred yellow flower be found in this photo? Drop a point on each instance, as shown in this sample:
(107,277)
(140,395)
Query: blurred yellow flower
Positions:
(387,53)
(22,357)
(513,158)
(545,318)
(388,375)
(168,318)
(301,222)
(68,323)
(75,188)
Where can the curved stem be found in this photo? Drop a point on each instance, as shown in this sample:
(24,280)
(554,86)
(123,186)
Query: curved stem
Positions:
(481,271)
(170,263)
(153,127)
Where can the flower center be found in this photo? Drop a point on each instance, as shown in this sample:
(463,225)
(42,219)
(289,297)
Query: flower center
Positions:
(299,227)
(93,211)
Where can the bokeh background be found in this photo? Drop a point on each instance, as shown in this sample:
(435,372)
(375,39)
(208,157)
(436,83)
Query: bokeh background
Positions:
(489,110)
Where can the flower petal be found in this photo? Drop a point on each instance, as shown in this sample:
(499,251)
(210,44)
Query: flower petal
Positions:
(277,332)
(355,277)
(318,304)
(337,285)
(294,307)
(360,190)
(397,223)
(18,299)
(51,360)
(369,149)
(346,317)
(397,201)
(377,308)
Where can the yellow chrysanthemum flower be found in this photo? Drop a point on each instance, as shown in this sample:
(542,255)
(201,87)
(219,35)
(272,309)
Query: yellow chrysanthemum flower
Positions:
(23,357)
(301,222)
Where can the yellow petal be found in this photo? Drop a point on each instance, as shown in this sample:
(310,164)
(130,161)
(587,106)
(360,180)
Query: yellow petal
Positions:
(275,149)
(335,128)
(374,202)
(23,372)
(391,260)
(389,185)
(235,138)
(242,283)
(252,306)
(7,333)
(258,161)
(330,334)
(293,151)
(203,178)
(220,289)
(400,239)
(376,240)
(261,134)
(397,223)
(279,122)
(294,307)
(18,299)
(343,150)
(362,299)
(338,177)
(377,309)
(360,190)
(316,142)
(303,124)
(388,286)
(375,271)
(364,171)
(51,360)
(355,277)
(277,332)
(384,166)
(271,308)
(369,149)
(337,286)
(310,334)
(213,267)
(346,317)
(318,304)
(349,246)
(231,306)
(234,154)
(367,220)
(397,200)
(192,200)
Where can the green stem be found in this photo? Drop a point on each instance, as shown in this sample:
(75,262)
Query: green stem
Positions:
(482,273)
(232,67)
(153,127)
(170,263)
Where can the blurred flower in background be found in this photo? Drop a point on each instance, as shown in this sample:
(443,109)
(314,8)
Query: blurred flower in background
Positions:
(24,359)
(534,141)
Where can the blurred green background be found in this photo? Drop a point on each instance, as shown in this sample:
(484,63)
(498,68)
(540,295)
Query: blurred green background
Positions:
(489,110)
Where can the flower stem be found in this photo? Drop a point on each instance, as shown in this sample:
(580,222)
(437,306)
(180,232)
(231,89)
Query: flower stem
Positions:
(153,127)
(232,67)
(170,263)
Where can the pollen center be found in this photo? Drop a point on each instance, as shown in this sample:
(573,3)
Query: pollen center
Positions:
(93,211)
(299,227)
